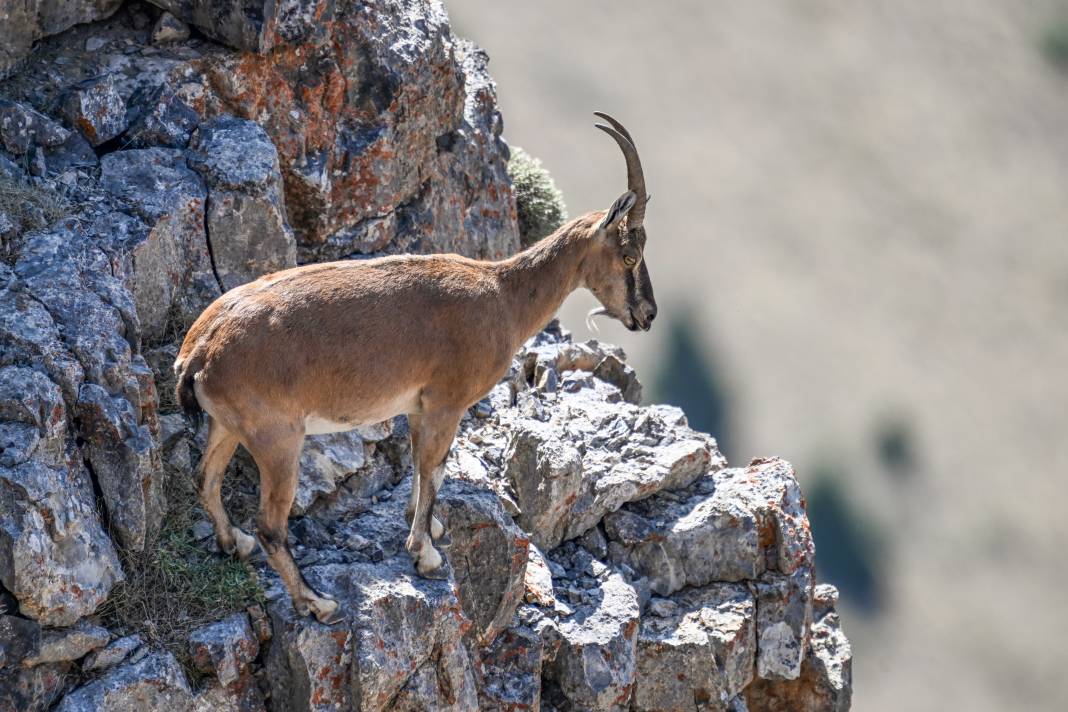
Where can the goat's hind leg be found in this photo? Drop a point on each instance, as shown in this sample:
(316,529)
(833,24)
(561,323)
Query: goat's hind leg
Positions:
(432,434)
(278,455)
(217,453)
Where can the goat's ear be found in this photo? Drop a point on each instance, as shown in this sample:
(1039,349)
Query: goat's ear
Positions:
(618,210)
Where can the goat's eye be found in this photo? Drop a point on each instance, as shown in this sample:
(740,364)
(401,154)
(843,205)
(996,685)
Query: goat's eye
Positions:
(629,260)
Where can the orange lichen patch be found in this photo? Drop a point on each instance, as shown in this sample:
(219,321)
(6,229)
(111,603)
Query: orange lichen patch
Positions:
(87,128)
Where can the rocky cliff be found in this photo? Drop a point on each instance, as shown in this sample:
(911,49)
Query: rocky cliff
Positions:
(603,554)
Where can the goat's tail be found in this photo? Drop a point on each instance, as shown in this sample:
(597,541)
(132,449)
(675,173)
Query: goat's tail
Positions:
(184,392)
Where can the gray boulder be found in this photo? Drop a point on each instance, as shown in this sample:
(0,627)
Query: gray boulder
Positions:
(510,671)
(167,265)
(701,652)
(825,683)
(112,654)
(54,556)
(402,644)
(67,644)
(784,607)
(246,220)
(158,116)
(126,463)
(224,648)
(488,554)
(730,525)
(153,682)
(596,662)
(22,129)
(29,334)
(95,109)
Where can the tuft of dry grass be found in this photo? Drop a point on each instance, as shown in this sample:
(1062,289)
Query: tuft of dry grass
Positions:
(176,584)
(28,207)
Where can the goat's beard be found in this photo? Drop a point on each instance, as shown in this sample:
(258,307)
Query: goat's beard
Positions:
(590,324)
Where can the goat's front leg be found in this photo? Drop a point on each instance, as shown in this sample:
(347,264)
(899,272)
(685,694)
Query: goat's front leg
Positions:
(436,528)
(432,434)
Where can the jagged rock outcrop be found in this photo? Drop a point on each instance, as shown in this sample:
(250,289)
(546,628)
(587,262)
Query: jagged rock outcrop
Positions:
(601,554)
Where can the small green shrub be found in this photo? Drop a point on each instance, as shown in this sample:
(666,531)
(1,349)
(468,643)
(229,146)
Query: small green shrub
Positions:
(176,584)
(539,204)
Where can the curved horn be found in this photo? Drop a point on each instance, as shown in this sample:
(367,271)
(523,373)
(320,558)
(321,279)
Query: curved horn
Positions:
(635,176)
(617,126)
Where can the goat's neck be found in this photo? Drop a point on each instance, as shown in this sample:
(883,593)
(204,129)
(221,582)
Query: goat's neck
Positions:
(535,282)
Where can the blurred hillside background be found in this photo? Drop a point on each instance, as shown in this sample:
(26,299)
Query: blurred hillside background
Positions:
(859,243)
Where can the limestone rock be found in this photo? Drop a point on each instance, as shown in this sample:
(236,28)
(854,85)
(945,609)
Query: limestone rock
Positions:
(590,458)
(825,682)
(29,334)
(258,26)
(158,116)
(126,463)
(538,579)
(701,653)
(64,645)
(22,129)
(784,607)
(224,648)
(488,554)
(33,418)
(325,461)
(510,675)
(114,653)
(19,638)
(361,175)
(54,556)
(96,109)
(155,681)
(546,475)
(168,265)
(34,689)
(71,278)
(403,641)
(730,525)
(595,665)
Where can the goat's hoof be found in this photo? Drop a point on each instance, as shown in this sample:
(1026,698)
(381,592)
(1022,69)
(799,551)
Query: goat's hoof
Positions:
(431,565)
(326,611)
(244,544)
(441,573)
(437,529)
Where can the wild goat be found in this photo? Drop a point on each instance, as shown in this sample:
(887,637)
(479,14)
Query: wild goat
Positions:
(327,347)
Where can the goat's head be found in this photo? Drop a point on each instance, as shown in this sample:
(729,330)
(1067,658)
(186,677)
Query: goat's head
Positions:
(616,272)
